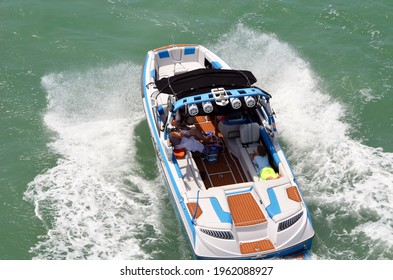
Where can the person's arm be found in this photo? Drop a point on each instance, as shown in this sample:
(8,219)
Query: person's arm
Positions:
(252,156)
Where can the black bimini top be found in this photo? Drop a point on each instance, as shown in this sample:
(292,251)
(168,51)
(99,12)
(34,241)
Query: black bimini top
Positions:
(203,80)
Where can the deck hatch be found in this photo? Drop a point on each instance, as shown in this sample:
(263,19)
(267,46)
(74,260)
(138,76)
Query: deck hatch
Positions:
(245,210)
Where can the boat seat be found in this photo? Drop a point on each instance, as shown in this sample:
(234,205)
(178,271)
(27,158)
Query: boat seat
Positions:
(183,67)
(230,128)
(249,134)
(247,143)
(279,201)
(178,60)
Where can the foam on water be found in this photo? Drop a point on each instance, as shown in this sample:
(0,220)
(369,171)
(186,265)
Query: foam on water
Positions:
(341,178)
(92,202)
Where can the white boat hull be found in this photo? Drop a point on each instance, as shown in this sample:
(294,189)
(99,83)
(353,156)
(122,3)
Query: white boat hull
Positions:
(246,219)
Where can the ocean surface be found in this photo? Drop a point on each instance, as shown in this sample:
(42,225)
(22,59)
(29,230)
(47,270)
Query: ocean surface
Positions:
(78,175)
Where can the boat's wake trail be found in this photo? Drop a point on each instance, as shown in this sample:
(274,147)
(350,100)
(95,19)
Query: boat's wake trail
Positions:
(347,184)
(93,203)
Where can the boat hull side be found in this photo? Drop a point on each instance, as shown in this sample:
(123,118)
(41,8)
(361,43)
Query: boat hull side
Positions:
(165,165)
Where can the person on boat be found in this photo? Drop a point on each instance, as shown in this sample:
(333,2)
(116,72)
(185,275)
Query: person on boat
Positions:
(189,139)
(261,162)
(183,139)
(183,120)
(188,131)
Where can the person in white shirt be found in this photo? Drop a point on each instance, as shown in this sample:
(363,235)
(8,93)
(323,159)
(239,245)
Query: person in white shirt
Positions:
(188,139)
(261,161)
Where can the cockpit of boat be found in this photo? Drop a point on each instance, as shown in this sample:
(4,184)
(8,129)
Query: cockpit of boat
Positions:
(233,117)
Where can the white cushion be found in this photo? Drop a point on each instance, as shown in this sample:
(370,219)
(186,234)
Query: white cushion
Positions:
(229,130)
(249,133)
(246,161)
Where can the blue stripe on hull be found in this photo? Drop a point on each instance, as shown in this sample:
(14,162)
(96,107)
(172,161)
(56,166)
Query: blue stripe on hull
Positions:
(171,180)
(225,217)
(274,207)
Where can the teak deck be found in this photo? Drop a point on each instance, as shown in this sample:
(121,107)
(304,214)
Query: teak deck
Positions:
(245,210)
(227,170)
(257,246)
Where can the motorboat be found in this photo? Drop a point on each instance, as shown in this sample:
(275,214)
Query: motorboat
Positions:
(226,209)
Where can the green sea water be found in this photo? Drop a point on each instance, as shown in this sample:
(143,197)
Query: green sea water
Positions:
(78,175)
